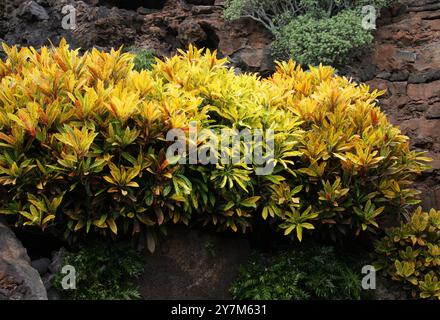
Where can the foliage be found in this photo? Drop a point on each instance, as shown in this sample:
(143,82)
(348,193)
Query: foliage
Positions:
(83,146)
(144,59)
(310,272)
(329,40)
(310,31)
(269,13)
(104,271)
(411,254)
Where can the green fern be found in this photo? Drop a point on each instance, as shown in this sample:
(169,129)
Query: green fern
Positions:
(311,272)
(103,272)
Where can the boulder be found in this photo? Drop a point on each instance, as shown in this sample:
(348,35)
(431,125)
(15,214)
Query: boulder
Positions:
(18,280)
(190,264)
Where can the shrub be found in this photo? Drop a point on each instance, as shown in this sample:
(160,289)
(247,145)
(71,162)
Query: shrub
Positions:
(144,59)
(310,31)
(312,272)
(84,146)
(329,40)
(103,272)
(411,254)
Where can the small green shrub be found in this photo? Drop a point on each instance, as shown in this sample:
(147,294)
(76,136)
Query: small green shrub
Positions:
(310,31)
(410,254)
(104,271)
(144,59)
(329,40)
(310,272)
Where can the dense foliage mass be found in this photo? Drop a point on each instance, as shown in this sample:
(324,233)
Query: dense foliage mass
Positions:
(83,146)
(144,59)
(103,272)
(312,272)
(313,31)
(311,40)
(411,254)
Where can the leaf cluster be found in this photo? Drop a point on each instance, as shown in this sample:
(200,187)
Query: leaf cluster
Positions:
(104,271)
(410,254)
(309,272)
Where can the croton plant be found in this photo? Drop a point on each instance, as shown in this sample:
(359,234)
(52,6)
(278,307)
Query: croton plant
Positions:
(84,146)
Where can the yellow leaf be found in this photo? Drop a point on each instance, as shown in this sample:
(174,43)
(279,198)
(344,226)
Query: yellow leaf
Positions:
(113,227)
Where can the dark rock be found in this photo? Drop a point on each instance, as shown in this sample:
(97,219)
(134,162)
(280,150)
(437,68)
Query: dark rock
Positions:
(48,279)
(2,53)
(192,265)
(418,107)
(387,289)
(132,4)
(430,197)
(399,76)
(144,11)
(31,10)
(424,77)
(220,2)
(201,2)
(41,265)
(190,31)
(18,280)
(251,60)
(52,294)
(57,260)
(433,112)
(384,75)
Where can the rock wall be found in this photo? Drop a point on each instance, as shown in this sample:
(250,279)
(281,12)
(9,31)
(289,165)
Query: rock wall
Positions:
(405,61)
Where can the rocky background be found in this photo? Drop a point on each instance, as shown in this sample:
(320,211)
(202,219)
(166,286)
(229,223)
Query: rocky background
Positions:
(405,60)
(157,24)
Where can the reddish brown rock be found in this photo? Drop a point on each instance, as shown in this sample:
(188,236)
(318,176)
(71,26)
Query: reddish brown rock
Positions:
(424,91)
(406,62)
(433,111)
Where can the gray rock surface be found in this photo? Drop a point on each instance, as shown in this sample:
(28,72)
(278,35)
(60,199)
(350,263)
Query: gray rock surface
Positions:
(32,10)
(18,280)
